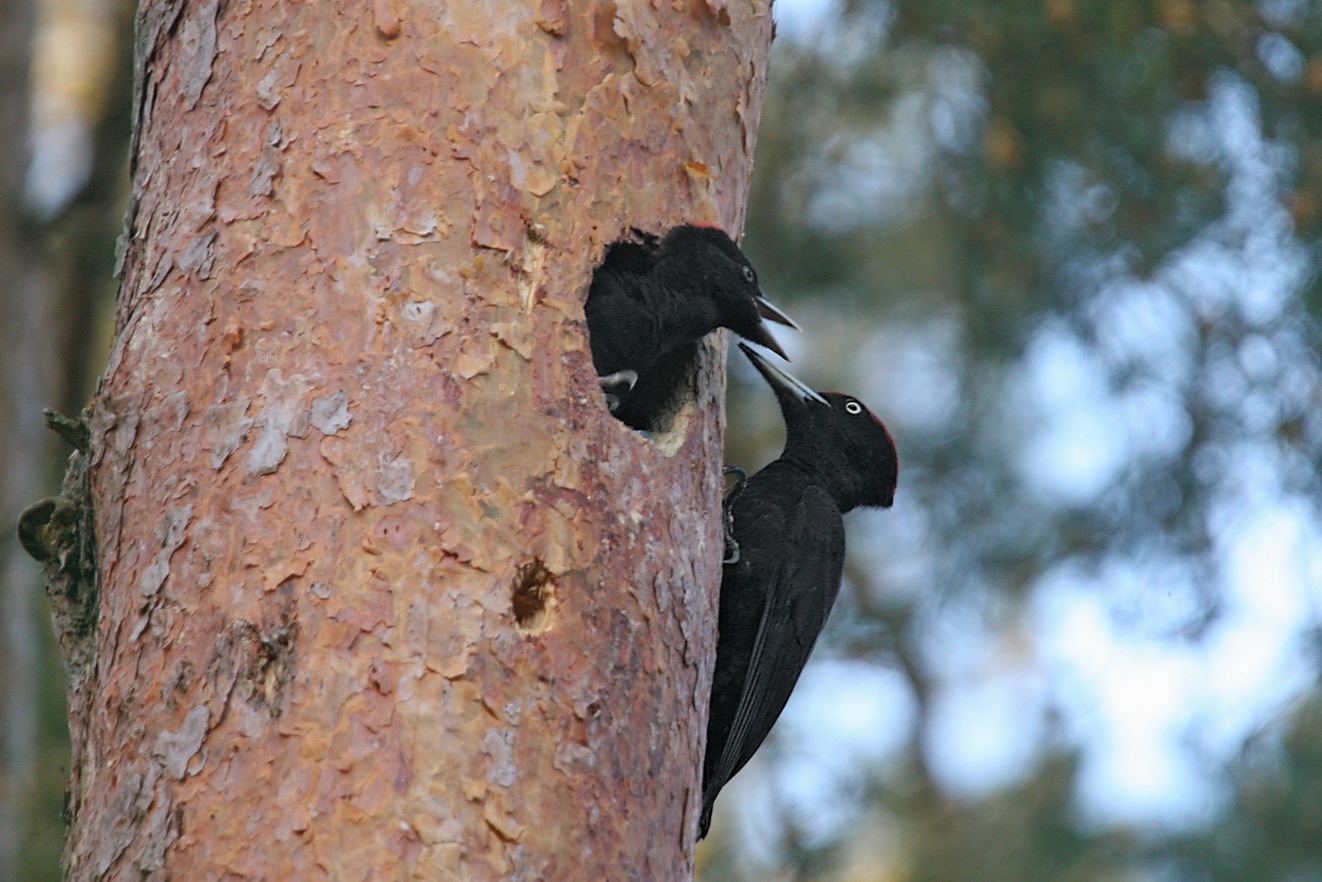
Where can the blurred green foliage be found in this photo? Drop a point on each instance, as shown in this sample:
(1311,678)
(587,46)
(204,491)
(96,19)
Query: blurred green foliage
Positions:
(45,821)
(990,175)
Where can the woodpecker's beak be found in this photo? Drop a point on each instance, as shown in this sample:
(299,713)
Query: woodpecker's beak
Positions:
(772,313)
(762,337)
(781,379)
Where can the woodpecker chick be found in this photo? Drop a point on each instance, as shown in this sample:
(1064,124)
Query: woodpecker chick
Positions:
(652,300)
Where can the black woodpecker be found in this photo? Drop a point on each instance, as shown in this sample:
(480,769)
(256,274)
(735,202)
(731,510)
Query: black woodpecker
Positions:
(652,299)
(784,562)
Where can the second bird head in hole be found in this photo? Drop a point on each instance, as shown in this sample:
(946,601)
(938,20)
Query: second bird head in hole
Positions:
(653,298)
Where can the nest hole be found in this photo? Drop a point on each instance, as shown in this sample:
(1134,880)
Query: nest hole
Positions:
(533,597)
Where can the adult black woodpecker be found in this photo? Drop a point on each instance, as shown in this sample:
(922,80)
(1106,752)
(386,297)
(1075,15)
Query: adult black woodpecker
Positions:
(788,553)
(653,298)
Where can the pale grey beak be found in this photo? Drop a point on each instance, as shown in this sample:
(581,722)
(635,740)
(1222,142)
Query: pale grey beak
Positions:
(772,313)
(782,378)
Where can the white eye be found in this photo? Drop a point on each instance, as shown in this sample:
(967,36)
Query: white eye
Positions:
(748,274)
(853,407)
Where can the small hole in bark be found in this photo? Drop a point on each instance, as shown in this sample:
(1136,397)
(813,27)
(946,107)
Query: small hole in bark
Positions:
(533,597)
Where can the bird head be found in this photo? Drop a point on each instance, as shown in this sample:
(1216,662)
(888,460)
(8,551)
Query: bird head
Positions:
(727,282)
(870,469)
(837,436)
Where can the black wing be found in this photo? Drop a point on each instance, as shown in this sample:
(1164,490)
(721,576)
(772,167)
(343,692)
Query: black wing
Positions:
(801,585)
(637,255)
(619,324)
(629,257)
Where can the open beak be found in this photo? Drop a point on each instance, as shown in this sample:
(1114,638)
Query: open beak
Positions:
(762,337)
(781,379)
(772,313)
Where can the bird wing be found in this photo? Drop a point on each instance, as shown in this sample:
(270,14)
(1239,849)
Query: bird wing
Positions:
(630,257)
(622,326)
(799,596)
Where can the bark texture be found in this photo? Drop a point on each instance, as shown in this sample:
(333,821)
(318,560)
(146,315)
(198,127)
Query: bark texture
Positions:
(384,590)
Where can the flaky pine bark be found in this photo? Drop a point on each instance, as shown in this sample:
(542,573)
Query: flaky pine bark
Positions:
(384,592)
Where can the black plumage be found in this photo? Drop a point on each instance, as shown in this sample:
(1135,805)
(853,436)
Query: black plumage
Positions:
(788,553)
(652,299)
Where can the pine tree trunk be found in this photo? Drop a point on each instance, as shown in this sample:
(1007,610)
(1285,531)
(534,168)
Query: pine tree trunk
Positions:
(382,590)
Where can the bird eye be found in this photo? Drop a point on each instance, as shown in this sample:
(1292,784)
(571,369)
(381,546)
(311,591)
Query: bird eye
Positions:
(749,276)
(853,407)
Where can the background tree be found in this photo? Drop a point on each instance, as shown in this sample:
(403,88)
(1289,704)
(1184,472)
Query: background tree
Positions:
(25,374)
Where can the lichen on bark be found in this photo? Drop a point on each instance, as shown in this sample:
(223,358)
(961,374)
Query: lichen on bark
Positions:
(58,532)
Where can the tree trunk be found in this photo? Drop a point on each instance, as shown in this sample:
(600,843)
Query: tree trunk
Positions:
(383,590)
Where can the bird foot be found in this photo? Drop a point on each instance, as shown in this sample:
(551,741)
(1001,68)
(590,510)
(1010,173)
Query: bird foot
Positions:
(732,555)
(616,386)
